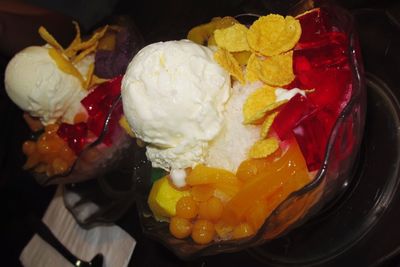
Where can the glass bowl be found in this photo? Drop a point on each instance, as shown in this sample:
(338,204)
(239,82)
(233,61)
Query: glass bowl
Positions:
(330,180)
(98,188)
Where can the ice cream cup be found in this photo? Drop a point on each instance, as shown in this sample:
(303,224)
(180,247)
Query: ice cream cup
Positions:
(331,179)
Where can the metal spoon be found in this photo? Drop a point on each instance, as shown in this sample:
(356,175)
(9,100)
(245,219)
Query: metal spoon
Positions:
(47,235)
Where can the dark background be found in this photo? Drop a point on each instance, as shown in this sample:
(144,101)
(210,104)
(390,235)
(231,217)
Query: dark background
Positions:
(157,20)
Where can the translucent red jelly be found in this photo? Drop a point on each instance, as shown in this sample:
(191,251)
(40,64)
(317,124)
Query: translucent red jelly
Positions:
(75,135)
(98,104)
(320,62)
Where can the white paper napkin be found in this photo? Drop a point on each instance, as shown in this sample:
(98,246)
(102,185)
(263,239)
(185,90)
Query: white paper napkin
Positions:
(114,243)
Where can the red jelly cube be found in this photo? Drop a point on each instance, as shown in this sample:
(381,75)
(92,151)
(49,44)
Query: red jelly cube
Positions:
(98,103)
(320,62)
(313,23)
(290,115)
(329,50)
(75,135)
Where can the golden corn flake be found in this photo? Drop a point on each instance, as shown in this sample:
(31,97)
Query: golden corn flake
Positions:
(275,70)
(85,53)
(89,76)
(93,40)
(242,57)
(252,69)
(71,50)
(49,38)
(203,34)
(229,63)
(255,106)
(95,80)
(76,51)
(274,34)
(225,22)
(267,124)
(233,38)
(263,148)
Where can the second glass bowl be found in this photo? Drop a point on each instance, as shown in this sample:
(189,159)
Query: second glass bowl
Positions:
(329,181)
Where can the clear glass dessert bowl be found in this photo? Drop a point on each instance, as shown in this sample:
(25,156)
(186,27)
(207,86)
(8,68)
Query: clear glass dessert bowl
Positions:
(330,178)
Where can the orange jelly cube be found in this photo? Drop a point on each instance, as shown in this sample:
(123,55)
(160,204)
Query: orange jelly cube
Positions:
(222,180)
(287,174)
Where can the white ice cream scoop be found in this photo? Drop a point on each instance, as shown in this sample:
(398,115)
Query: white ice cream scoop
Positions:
(174,95)
(35,83)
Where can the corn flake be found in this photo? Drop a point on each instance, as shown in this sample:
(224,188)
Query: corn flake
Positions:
(255,105)
(203,34)
(71,50)
(76,51)
(275,70)
(93,40)
(233,38)
(224,22)
(95,80)
(263,148)
(229,63)
(274,34)
(89,76)
(242,57)
(85,53)
(49,38)
(267,124)
(252,69)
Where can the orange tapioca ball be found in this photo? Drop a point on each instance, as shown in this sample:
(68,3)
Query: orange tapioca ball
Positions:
(67,154)
(242,230)
(59,166)
(224,230)
(48,157)
(202,192)
(29,147)
(49,145)
(43,144)
(211,209)
(203,232)
(55,146)
(251,168)
(180,227)
(186,207)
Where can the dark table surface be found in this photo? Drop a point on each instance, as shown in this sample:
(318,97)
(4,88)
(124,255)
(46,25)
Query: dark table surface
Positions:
(20,194)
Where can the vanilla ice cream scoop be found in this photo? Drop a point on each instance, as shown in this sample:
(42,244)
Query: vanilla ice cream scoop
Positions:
(35,83)
(173,96)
